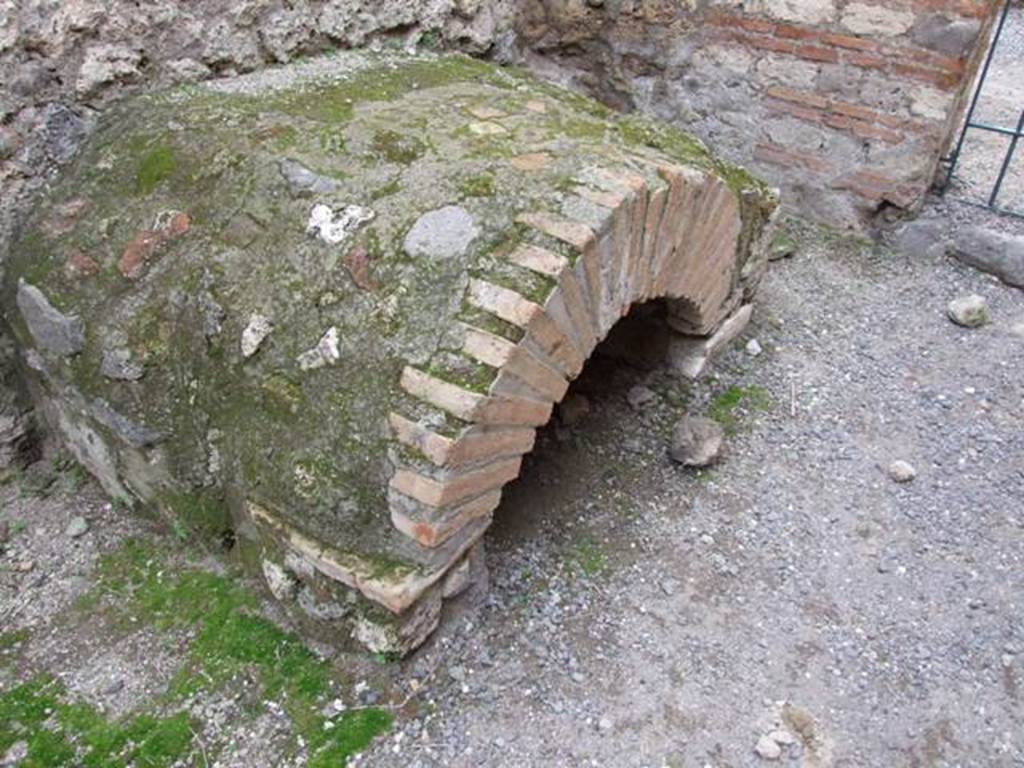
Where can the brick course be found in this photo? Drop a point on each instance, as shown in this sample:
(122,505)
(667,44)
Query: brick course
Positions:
(850,72)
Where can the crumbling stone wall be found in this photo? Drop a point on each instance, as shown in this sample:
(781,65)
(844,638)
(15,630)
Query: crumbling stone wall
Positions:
(846,104)
(62,61)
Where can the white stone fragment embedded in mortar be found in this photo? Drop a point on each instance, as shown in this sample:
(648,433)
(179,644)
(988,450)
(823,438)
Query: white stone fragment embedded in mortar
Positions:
(334,228)
(255,332)
(326,352)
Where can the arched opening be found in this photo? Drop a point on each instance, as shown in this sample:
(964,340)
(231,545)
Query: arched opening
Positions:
(608,431)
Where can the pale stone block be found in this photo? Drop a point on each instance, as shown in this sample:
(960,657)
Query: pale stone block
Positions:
(799,11)
(865,19)
(690,356)
(930,103)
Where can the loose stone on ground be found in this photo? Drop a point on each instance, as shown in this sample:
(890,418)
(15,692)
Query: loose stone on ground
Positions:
(697,441)
(969,311)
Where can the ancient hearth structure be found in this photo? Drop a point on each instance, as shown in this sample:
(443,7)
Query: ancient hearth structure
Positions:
(326,306)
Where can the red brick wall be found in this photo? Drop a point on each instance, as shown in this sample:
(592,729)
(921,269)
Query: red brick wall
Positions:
(846,104)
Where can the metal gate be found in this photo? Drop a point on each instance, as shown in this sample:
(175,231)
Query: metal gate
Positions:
(1013,133)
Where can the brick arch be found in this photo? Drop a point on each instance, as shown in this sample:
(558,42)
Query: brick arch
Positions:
(622,236)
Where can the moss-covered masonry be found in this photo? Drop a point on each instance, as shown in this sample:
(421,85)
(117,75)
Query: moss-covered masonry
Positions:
(316,301)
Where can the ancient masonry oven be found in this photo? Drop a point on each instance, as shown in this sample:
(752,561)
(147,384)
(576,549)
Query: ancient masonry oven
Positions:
(333,302)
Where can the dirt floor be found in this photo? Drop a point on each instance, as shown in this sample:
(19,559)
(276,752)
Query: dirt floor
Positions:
(791,606)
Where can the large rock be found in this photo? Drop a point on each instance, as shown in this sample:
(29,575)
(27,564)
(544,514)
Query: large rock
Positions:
(328,305)
(697,441)
(51,330)
(994,252)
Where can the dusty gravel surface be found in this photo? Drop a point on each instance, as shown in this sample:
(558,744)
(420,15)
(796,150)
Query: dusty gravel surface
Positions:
(795,588)
(792,599)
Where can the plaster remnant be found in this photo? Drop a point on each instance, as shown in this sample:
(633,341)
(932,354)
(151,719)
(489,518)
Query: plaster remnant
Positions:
(334,228)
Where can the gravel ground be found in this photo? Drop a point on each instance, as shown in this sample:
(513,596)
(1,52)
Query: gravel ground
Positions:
(793,599)
(794,589)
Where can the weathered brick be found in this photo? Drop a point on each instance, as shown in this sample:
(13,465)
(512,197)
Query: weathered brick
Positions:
(785,158)
(436,526)
(432,445)
(455,487)
(850,42)
(515,359)
(816,53)
(572,232)
(798,97)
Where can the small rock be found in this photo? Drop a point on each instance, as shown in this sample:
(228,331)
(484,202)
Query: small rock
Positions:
(605,724)
(24,566)
(668,586)
(281,582)
(753,348)
(16,754)
(442,234)
(302,181)
(923,237)
(573,409)
(782,246)
(117,364)
(326,352)
(255,332)
(767,749)
(105,64)
(77,528)
(783,737)
(902,471)
(137,435)
(369,697)
(697,441)
(640,397)
(457,673)
(115,687)
(969,311)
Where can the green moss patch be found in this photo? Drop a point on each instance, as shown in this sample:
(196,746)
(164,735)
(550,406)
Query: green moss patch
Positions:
(396,148)
(57,732)
(229,640)
(203,514)
(479,185)
(155,166)
(726,407)
(586,558)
